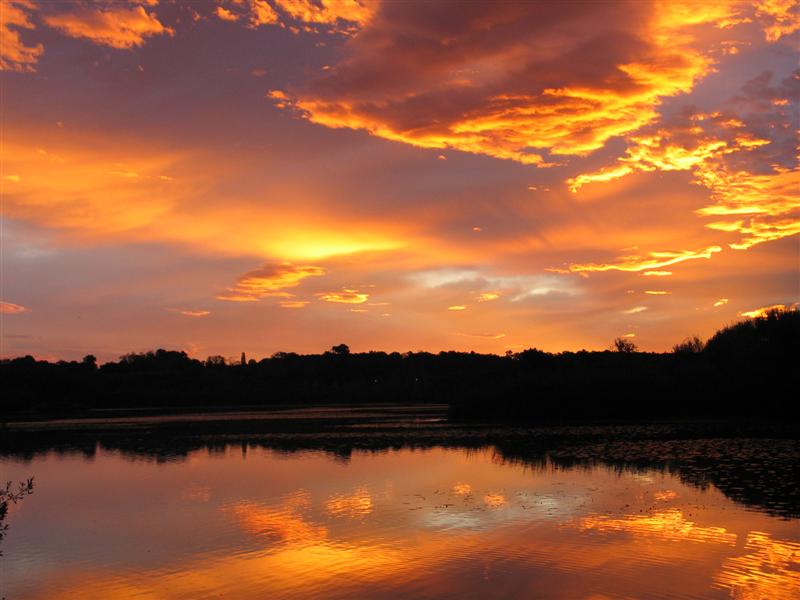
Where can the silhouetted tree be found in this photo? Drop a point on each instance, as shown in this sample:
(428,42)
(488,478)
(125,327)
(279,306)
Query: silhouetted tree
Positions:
(215,361)
(691,345)
(623,345)
(775,334)
(90,361)
(341,350)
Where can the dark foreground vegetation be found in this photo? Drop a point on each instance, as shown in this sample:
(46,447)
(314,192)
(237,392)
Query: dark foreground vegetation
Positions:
(747,369)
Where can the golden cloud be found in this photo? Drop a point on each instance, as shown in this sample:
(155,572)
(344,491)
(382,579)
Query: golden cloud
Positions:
(345,296)
(488,296)
(114,26)
(14,54)
(225,14)
(765,310)
(111,188)
(508,82)
(781,16)
(637,263)
(770,204)
(262,13)
(334,16)
(328,12)
(741,156)
(269,281)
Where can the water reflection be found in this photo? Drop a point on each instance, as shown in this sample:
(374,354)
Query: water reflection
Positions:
(434,523)
(770,569)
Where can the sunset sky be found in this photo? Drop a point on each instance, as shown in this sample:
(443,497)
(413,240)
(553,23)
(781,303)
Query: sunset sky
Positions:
(265,175)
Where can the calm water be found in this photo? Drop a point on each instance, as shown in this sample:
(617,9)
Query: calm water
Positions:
(435,523)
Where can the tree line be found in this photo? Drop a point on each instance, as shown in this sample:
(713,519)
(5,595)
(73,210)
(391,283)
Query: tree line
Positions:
(745,369)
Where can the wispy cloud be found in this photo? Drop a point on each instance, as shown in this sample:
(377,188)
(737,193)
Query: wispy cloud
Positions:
(345,296)
(9,308)
(636,263)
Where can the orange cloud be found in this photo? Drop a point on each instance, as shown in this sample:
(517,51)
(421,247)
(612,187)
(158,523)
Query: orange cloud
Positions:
(112,187)
(14,54)
(657,292)
(194,313)
(739,154)
(486,336)
(262,13)
(113,26)
(269,280)
(488,296)
(764,310)
(346,296)
(9,308)
(293,303)
(457,307)
(770,204)
(636,263)
(328,12)
(781,18)
(505,81)
(226,15)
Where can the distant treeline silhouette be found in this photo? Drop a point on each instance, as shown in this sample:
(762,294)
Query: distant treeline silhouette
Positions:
(746,369)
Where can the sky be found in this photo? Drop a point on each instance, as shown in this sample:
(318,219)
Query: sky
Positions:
(256,176)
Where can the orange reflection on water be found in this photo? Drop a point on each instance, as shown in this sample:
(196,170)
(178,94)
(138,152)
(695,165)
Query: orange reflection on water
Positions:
(357,504)
(494,500)
(283,523)
(668,524)
(402,524)
(771,569)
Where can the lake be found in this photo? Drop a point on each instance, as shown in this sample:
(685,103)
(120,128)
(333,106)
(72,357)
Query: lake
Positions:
(251,519)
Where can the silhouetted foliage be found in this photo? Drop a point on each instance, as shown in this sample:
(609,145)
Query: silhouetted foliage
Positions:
(691,345)
(753,359)
(773,336)
(12,495)
(623,345)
